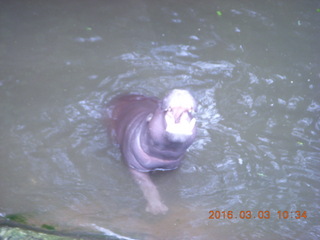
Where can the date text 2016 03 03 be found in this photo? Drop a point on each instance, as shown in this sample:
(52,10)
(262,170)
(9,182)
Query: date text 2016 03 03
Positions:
(257,214)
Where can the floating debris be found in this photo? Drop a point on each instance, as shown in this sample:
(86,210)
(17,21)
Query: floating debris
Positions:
(300,143)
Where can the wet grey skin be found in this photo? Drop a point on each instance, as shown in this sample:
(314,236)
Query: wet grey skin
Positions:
(153,135)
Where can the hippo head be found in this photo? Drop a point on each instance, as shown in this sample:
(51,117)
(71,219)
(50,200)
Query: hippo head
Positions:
(178,107)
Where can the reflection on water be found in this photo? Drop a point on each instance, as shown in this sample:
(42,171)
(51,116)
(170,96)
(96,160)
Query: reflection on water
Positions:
(254,71)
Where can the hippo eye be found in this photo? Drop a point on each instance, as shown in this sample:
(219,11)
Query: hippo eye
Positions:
(191,110)
(149,117)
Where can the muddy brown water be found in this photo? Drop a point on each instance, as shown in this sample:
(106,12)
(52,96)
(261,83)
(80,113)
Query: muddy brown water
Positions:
(253,68)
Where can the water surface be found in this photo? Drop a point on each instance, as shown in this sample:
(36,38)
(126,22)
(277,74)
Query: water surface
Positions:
(253,68)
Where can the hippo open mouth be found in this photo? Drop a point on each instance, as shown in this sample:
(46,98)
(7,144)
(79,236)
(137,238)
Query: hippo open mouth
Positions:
(180,121)
(179,108)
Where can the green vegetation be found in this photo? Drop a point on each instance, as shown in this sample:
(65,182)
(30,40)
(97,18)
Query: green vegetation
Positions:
(19,218)
(48,227)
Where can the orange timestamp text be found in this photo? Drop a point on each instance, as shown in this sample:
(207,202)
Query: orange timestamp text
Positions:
(257,214)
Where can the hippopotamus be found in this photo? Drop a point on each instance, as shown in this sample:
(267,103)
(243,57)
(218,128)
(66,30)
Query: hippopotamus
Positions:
(153,135)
